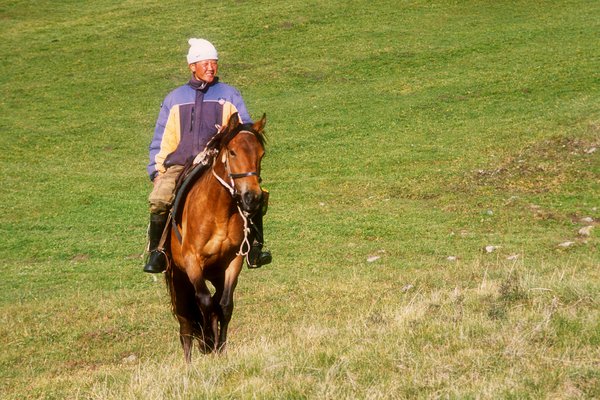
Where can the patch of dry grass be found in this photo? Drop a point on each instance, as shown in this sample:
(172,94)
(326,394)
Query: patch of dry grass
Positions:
(510,335)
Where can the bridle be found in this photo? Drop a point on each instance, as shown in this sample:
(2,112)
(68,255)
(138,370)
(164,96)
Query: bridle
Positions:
(246,217)
(230,186)
(243,175)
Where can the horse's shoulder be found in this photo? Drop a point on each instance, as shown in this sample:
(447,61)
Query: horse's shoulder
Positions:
(188,177)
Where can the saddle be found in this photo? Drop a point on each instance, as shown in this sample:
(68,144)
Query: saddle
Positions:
(192,171)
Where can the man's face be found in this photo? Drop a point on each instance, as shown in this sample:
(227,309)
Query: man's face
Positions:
(205,70)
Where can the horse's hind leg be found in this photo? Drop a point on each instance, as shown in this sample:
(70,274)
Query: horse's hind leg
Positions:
(214,325)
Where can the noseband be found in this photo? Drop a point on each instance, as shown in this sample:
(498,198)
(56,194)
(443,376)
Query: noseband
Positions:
(243,175)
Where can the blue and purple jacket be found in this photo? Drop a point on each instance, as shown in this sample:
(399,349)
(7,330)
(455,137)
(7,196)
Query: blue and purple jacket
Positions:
(187,120)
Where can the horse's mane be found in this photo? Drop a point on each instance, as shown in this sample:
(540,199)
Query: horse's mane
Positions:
(225,135)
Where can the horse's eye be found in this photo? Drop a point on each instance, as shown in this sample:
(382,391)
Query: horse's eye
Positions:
(232,153)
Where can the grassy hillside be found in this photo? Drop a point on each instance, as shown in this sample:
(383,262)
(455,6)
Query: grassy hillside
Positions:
(405,139)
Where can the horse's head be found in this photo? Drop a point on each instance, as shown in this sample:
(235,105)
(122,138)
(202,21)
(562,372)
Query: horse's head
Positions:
(242,149)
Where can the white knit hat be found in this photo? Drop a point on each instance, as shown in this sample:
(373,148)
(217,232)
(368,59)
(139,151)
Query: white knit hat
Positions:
(201,49)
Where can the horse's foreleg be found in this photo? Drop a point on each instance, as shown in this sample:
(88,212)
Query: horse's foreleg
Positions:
(226,303)
(184,308)
(186,337)
(204,301)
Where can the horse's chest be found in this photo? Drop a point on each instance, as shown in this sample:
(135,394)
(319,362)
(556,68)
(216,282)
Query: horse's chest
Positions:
(226,237)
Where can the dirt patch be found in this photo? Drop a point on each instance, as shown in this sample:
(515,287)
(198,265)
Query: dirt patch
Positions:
(544,166)
(80,258)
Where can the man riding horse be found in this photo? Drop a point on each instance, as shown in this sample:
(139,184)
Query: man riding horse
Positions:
(189,117)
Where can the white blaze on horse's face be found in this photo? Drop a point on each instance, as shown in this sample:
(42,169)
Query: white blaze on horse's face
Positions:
(244,154)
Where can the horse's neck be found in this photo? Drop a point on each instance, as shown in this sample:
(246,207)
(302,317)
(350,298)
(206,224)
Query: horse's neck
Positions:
(214,196)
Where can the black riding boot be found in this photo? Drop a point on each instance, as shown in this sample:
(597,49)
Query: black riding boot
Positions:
(256,257)
(157,261)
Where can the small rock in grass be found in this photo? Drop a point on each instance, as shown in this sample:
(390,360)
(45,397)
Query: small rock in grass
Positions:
(512,257)
(130,359)
(406,288)
(566,244)
(591,150)
(587,219)
(373,258)
(452,258)
(491,249)
(586,230)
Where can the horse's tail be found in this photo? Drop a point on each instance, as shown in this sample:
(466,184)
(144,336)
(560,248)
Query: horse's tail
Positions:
(183,302)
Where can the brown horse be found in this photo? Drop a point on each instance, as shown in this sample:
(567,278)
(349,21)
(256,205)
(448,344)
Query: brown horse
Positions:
(214,236)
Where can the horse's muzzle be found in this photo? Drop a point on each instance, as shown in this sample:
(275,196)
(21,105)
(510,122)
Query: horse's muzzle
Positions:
(251,201)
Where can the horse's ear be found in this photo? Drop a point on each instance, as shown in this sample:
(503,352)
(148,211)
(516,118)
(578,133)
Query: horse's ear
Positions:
(233,122)
(260,125)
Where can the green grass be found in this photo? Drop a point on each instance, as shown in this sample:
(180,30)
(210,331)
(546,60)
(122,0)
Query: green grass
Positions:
(410,131)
